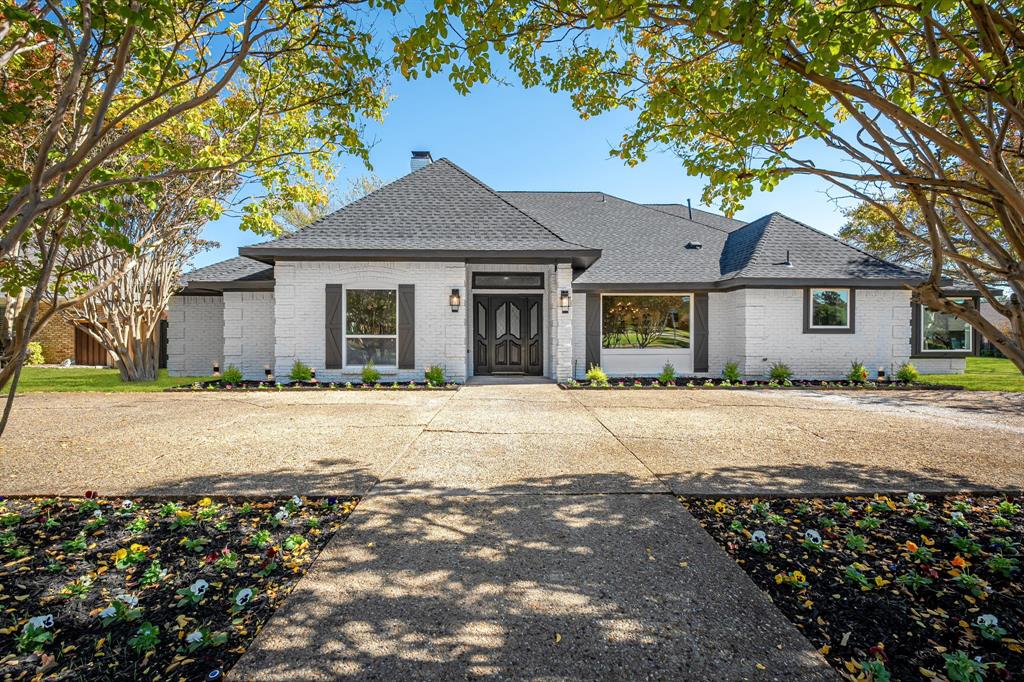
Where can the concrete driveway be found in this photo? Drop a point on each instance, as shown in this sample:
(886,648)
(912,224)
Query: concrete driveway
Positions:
(492,539)
(515,438)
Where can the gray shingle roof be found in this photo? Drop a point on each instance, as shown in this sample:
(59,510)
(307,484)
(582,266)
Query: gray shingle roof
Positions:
(237,269)
(638,244)
(646,244)
(699,216)
(439,207)
(759,250)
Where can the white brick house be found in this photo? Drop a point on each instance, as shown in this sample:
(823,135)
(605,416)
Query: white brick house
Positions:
(437,269)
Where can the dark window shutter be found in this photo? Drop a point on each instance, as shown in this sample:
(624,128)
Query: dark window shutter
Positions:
(406,326)
(700,332)
(593,330)
(334,328)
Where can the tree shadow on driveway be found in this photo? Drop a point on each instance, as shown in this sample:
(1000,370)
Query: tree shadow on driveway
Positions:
(527,586)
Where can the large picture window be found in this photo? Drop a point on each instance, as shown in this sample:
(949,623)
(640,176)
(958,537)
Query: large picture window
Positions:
(943,332)
(371,326)
(830,308)
(645,322)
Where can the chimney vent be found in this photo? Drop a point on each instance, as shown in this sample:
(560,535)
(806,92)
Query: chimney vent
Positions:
(694,245)
(420,160)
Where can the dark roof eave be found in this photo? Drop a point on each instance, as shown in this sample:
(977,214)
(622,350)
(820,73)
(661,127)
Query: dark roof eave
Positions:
(196,286)
(752,282)
(579,257)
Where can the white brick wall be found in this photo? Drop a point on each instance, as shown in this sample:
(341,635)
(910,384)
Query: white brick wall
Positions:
(773,326)
(579,334)
(299,309)
(195,335)
(249,331)
(561,336)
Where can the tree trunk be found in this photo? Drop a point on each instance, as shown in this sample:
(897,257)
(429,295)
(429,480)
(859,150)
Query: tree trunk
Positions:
(140,363)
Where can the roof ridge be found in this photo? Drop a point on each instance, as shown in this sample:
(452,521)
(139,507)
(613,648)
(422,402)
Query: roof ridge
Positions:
(757,247)
(658,210)
(840,241)
(509,203)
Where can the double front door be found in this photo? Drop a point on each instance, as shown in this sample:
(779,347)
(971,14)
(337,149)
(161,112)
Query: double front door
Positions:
(507,334)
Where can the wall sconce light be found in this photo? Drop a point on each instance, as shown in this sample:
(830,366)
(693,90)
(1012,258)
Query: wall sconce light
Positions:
(268,373)
(563,300)
(216,370)
(455,300)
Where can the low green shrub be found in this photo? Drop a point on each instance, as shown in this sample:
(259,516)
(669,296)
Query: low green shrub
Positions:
(780,371)
(907,373)
(858,373)
(35,354)
(232,375)
(370,373)
(301,371)
(434,375)
(596,376)
(731,372)
(668,373)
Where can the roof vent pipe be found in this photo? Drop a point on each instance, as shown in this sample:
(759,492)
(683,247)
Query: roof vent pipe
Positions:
(420,160)
(788,263)
(689,209)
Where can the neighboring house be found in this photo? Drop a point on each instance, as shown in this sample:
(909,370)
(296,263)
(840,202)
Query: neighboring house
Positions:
(437,268)
(63,340)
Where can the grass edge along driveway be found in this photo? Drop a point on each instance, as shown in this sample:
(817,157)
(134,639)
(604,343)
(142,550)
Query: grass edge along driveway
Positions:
(92,379)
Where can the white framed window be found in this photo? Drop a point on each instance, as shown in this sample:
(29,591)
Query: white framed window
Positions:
(371,327)
(944,333)
(830,309)
(646,321)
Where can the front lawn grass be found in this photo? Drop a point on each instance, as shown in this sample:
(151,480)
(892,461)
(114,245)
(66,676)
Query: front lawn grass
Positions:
(141,589)
(901,588)
(84,379)
(983,374)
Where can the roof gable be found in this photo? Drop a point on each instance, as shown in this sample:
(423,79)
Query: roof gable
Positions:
(439,207)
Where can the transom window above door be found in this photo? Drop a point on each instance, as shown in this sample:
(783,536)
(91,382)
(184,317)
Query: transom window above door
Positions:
(508,280)
(640,321)
(371,326)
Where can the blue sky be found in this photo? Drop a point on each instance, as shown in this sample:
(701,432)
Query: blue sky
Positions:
(513,138)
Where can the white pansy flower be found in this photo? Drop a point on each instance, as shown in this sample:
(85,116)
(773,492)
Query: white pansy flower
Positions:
(108,612)
(45,621)
(194,636)
(813,537)
(130,599)
(987,620)
(199,587)
(243,597)
(758,536)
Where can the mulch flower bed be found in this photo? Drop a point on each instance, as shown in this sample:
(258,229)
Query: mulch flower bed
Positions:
(143,589)
(310,386)
(899,588)
(697,382)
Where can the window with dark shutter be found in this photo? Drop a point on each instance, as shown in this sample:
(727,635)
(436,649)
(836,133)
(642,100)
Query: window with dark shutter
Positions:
(334,328)
(406,326)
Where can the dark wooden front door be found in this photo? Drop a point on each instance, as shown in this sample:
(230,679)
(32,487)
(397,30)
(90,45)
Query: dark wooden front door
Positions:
(508,334)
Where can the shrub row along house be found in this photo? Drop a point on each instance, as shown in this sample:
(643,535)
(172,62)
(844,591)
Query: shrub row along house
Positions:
(437,268)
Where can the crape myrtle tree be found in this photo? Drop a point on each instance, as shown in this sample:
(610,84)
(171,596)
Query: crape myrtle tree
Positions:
(913,102)
(102,99)
(124,315)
